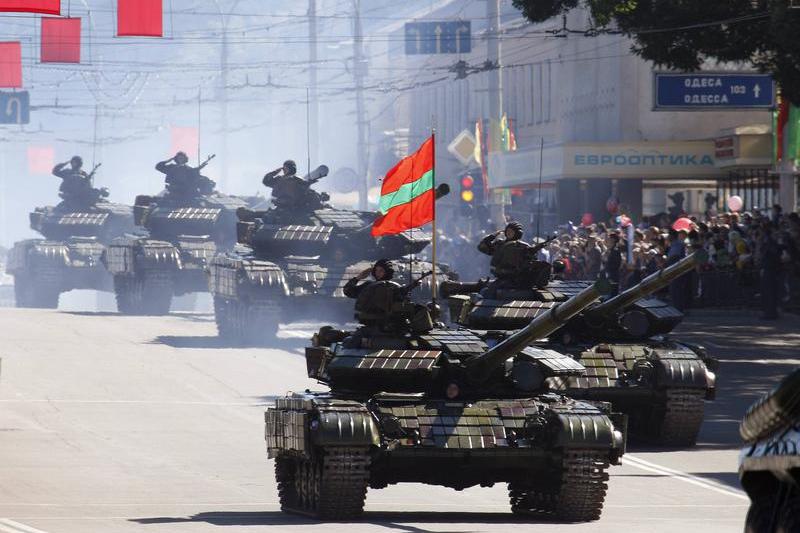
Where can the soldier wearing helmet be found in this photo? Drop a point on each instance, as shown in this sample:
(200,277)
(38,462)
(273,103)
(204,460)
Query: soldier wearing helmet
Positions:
(514,260)
(380,302)
(182,180)
(290,191)
(76,185)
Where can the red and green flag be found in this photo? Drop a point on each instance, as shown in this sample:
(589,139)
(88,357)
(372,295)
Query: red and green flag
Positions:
(407,194)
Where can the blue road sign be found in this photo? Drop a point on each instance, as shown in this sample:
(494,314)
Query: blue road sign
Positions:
(446,37)
(704,91)
(15,108)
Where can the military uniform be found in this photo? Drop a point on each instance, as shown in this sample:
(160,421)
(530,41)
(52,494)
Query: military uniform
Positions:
(75,185)
(514,261)
(184,181)
(289,191)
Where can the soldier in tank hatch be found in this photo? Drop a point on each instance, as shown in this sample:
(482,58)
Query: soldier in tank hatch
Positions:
(514,260)
(75,180)
(382,303)
(290,191)
(76,186)
(182,180)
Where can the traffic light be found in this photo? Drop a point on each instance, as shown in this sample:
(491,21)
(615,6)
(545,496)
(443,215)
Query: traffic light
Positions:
(467,195)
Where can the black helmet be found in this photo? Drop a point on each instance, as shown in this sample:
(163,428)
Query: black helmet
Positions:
(387,266)
(76,161)
(516,227)
(289,164)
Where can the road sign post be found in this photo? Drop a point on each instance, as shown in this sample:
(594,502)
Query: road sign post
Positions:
(15,108)
(445,37)
(708,91)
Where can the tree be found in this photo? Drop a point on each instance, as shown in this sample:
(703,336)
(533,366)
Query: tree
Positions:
(681,34)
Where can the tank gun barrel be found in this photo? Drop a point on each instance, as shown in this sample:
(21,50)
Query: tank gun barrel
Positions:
(478,369)
(651,284)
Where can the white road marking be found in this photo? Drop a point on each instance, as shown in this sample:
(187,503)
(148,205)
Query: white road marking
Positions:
(10,526)
(138,402)
(683,476)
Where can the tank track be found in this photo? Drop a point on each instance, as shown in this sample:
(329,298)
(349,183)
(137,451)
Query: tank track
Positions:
(330,486)
(579,496)
(682,418)
(779,513)
(40,290)
(148,294)
(247,323)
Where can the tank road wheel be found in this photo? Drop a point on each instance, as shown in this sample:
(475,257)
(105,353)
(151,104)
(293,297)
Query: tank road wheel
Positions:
(681,418)
(580,493)
(149,293)
(331,486)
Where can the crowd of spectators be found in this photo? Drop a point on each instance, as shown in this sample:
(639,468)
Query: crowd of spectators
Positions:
(756,253)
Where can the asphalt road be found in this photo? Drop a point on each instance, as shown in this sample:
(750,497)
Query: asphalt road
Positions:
(122,424)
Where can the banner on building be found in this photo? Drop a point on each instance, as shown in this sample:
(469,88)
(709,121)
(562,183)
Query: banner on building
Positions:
(61,40)
(185,140)
(47,7)
(140,18)
(10,65)
(41,160)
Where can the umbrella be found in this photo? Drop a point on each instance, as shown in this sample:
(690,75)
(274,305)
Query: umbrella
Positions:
(682,224)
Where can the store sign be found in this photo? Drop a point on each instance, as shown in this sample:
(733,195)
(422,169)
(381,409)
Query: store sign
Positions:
(646,160)
(709,91)
(640,160)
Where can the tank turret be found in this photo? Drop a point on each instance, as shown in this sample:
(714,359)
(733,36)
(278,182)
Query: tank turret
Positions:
(622,317)
(539,328)
(422,358)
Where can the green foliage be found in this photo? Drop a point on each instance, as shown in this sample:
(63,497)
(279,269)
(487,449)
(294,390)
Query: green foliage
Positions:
(681,34)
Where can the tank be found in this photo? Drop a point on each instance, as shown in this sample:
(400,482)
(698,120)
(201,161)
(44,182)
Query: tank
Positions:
(182,234)
(293,264)
(624,342)
(69,255)
(769,463)
(426,404)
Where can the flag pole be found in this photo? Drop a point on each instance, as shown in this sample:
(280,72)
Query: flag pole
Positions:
(434,285)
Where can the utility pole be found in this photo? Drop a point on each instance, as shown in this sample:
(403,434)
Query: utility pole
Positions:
(223,65)
(495,93)
(313,106)
(361,117)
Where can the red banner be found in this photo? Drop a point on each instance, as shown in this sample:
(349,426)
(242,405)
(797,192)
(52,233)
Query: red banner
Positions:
(61,40)
(48,7)
(11,65)
(185,140)
(140,18)
(41,159)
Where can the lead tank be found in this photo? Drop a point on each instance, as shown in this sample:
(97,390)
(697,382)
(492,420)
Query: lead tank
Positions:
(183,233)
(769,463)
(69,256)
(427,404)
(293,264)
(624,343)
